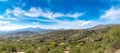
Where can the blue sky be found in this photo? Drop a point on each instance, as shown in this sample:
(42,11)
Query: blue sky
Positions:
(56,14)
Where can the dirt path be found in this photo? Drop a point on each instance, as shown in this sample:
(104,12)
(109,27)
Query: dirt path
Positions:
(20,52)
(66,51)
(118,51)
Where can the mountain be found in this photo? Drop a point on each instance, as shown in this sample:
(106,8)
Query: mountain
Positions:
(26,32)
(102,26)
(37,30)
(21,33)
(100,39)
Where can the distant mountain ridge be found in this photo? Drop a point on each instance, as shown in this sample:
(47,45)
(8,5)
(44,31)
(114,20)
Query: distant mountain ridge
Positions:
(38,31)
(102,26)
(26,31)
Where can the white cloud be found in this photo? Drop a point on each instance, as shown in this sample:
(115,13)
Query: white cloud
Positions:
(75,15)
(112,14)
(107,18)
(7,17)
(4,23)
(85,23)
(78,24)
(1,17)
(33,12)
(16,12)
(52,15)
(8,26)
(36,12)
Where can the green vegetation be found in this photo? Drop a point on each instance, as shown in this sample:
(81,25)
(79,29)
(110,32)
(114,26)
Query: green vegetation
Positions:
(106,40)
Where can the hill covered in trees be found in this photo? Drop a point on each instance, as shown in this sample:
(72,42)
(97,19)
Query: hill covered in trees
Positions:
(99,39)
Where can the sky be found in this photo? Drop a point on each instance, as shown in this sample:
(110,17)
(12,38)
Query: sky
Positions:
(57,14)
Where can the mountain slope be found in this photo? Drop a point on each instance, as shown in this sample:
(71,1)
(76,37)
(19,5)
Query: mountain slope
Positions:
(95,40)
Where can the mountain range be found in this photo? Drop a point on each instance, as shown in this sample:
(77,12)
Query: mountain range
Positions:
(37,31)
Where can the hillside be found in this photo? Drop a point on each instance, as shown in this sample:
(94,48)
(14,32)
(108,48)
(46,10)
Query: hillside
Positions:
(103,40)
